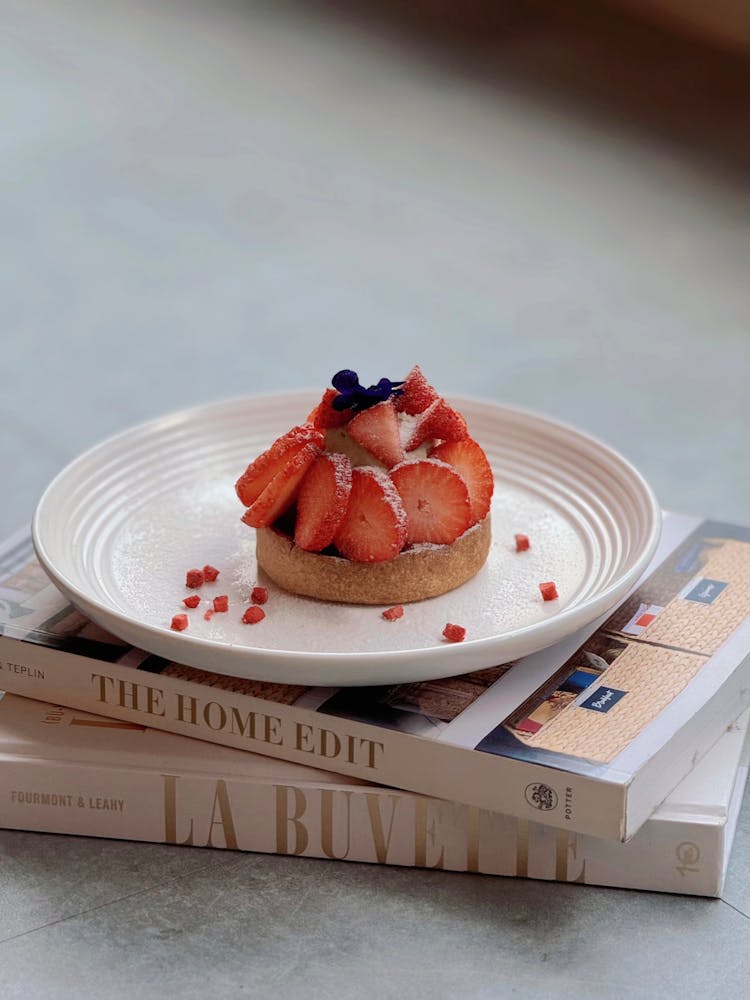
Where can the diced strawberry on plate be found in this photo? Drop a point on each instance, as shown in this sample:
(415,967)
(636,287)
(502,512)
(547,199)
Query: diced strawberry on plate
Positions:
(468,458)
(416,393)
(322,500)
(376,429)
(438,422)
(436,500)
(374,525)
(280,493)
(266,466)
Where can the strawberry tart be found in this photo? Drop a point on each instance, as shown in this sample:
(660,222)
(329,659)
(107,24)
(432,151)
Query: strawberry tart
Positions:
(380,496)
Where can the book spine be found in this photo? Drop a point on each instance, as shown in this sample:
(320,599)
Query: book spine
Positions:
(365,824)
(581,803)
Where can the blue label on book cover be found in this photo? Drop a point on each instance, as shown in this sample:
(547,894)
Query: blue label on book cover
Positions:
(705,591)
(603,699)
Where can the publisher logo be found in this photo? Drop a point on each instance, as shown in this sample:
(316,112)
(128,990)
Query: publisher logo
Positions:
(603,699)
(541,796)
(705,591)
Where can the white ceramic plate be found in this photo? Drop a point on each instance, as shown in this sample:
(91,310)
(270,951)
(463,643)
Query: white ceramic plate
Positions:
(118,528)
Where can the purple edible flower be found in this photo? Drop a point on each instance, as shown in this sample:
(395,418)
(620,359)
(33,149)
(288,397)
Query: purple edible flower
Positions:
(356,397)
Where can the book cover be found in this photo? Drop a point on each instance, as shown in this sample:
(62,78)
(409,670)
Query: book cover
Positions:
(590,735)
(66,771)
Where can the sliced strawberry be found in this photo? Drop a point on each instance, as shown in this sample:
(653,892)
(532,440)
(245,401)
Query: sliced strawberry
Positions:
(374,525)
(321,503)
(439,421)
(376,429)
(279,495)
(470,461)
(436,501)
(325,416)
(259,473)
(416,393)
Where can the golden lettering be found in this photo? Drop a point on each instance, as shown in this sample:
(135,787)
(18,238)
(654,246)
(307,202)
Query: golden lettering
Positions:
(240,726)
(303,737)
(373,746)
(334,749)
(191,703)
(566,844)
(271,727)
(225,821)
(425,829)
(154,702)
(381,840)
(284,820)
(221,715)
(127,694)
(170,813)
(103,682)
(326,822)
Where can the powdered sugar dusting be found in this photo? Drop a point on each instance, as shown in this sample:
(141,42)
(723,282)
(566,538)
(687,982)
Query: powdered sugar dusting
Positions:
(390,493)
(342,468)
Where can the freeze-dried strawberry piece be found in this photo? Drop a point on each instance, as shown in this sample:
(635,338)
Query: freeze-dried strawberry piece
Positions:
(439,421)
(416,393)
(325,416)
(253,615)
(374,525)
(179,623)
(209,614)
(259,595)
(280,493)
(470,461)
(267,466)
(210,573)
(194,578)
(455,633)
(221,603)
(376,429)
(321,502)
(192,602)
(549,591)
(436,501)
(522,543)
(392,614)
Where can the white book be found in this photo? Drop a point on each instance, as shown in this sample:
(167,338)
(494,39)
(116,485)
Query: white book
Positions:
(589,735)
(66,771)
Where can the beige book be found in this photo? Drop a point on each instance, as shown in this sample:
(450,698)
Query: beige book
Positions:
(66,771)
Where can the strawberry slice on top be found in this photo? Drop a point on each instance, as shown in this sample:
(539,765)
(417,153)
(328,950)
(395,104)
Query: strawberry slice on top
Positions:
(416,393)
(436,500)
(469,460)
(376,429)
(325,415)
(374,526)
(280,493)
(270,463)
(322,501)
(439,422)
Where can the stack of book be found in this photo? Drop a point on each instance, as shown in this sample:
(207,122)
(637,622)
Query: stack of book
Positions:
(617,757)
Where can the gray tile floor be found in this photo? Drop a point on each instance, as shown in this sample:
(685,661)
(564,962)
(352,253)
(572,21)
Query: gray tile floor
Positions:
(205,200)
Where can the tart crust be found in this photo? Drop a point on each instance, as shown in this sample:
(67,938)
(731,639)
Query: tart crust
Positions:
(415,574)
